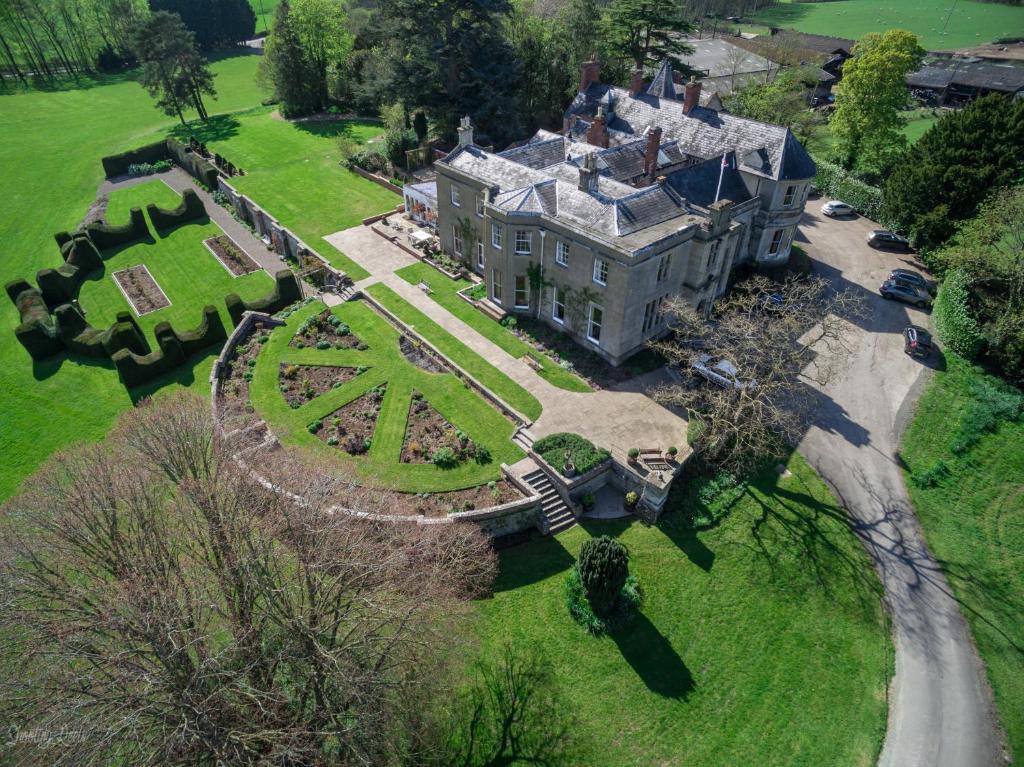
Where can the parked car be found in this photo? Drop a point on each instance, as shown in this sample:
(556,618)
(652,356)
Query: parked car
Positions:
(880,238)
(917,342)
(905,292)
(834,208)
(909,278)
(723,373)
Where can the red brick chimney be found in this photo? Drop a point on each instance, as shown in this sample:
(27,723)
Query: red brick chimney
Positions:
(597,133)
(636,82)
(691,96)
(651,152)
(590,73)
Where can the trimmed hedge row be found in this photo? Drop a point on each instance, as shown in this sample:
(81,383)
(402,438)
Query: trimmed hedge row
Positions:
(36,331)
(117,164)
(189,209)
(582,452)
(286,291)
(836,182)
(195,164)
(104,236)
(957,328)
(174,349)
(82,338)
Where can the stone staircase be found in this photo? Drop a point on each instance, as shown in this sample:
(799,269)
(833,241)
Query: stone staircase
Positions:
(523,439)
(558,514)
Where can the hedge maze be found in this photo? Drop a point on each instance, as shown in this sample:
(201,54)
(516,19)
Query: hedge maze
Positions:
(51,321)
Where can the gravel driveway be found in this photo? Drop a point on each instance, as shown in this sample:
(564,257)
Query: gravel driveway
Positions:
(941,712)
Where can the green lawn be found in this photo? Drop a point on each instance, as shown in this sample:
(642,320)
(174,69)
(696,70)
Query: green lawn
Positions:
(177,259)
(444,292)
(460,405)
(53,142)
(264,9)
(293,171)
(761,642)
(971,22)
(973,520)
(918,123)
(499,383)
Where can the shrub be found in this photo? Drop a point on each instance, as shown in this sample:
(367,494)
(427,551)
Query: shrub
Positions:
(632,499)
(332,441)
(119,164)
(673,450)
(445,458)
(323,345)
(483,455)
(603,568)
(837,182)
(931,476)
(189,209)
(286,291)
(582,612)
(582,452)
(588,501)
(991,404)
(315,427)
(105,236)
(957,328)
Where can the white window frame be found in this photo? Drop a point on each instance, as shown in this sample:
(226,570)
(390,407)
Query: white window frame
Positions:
(457,240)
(496,235)
(479,255)
(562,253)
(456,197)
(480,205)
(496,286)
(600,267)
(790,196)
(555,303)
(525,291)
(528,238)
(591,323)
(775,244)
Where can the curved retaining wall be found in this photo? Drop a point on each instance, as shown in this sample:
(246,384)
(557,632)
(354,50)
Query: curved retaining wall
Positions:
(495,521)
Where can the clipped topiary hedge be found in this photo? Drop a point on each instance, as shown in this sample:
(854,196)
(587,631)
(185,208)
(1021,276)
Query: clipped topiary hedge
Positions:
(195,164)
(286,291)
(581,450)
(189,209)
(174,349)
(105,236)
(82,338)
(838,183)
(957,328)
(117,164)
(36,331)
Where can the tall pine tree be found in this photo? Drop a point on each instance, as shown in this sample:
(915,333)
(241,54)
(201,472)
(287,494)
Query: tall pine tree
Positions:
(287,68)
(644,32)
(173,71)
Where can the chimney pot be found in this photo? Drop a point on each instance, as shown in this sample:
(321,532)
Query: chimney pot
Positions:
(636,83)
(465,132)
(588,174)
(651,152)
(597,133)
(590,73)
(691,95)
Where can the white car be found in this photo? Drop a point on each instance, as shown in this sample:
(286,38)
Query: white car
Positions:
(836,208)
(723,373)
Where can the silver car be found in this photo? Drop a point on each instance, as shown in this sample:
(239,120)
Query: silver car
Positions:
(722,373)
(834,208)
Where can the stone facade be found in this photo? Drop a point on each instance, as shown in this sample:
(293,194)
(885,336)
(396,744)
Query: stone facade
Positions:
(591,230)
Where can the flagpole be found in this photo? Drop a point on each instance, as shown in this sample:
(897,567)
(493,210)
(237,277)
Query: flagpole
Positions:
(721,172)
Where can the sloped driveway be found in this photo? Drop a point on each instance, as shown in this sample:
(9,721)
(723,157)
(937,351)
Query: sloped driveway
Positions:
(941,712)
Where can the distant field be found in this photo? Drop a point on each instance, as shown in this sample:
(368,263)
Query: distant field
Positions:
(971,22)
(263,9)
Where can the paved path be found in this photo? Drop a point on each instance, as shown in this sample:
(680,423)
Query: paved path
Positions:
(179,181)
(616,419)
(941,712)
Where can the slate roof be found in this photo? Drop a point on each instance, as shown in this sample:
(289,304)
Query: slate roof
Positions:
(663,86)
(538,153)
(973,73)
(703,132)
(819,43)
(698,183)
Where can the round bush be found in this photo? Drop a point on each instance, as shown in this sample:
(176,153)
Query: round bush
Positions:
(603,567)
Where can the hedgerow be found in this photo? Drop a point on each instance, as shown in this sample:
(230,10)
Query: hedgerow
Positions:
(838,183)
(286,291)
(584,455)
(174,349)
(104,236)
(189,209)
(957,328)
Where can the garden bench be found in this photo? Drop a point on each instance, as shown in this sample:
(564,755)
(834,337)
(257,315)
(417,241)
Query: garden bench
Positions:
(425,288)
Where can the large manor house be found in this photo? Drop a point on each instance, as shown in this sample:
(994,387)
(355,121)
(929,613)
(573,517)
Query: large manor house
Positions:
(649,191)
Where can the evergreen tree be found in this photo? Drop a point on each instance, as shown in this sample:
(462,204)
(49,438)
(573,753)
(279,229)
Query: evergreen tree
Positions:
(320,26)
(452,59)
(213,22)
(962,159)
(286,66)
(603,566)
(644,32)
(866,123)
(419,124)
(173,71)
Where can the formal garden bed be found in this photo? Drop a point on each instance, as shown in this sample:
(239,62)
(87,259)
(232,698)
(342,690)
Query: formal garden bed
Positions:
(351,427)
(236,411)
(231,255)
(141,290)
(570,454)
(325,331)
(431,438)
(419,355)
(301,383)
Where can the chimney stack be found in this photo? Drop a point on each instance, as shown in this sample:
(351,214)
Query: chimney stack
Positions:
(597,133)
(590,73)
(651,152)
(691,96)
(465,132)
(636,82)
(588,174)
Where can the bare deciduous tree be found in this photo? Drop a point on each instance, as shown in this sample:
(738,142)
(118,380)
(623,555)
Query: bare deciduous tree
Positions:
(782,337)
(161,606)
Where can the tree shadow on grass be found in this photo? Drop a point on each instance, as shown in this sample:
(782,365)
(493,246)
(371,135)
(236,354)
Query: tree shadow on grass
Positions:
(163,234)
(218,128)
(44,369)
(330,128)
(653,658)
(532,562)
(184,375)
(685,538)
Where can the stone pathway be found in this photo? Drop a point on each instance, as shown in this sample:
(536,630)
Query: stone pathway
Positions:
(615,419)
(179,181)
